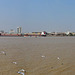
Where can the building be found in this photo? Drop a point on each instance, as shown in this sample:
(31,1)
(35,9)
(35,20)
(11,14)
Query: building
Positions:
(2,31)
(12,31)
(67,33)
(19,30)
(36,33)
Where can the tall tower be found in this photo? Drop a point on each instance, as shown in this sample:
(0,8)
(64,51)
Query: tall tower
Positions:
(19,29)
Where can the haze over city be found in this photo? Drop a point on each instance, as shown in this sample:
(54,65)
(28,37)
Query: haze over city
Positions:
(37,15)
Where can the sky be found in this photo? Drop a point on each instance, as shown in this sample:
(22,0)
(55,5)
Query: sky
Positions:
(37,15)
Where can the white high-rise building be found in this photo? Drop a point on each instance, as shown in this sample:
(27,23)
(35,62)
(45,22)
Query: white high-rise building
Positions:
(19,29)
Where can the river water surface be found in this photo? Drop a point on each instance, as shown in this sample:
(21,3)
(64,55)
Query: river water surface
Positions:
(38,56)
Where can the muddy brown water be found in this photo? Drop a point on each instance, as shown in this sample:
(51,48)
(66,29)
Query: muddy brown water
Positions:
(38,56)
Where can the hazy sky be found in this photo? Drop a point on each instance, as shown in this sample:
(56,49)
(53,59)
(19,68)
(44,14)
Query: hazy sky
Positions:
(37,15)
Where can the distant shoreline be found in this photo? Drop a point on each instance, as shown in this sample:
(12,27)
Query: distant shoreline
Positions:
(37,36)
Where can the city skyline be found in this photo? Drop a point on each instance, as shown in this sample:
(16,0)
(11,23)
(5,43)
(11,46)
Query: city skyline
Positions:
(37,15)
(19,30)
